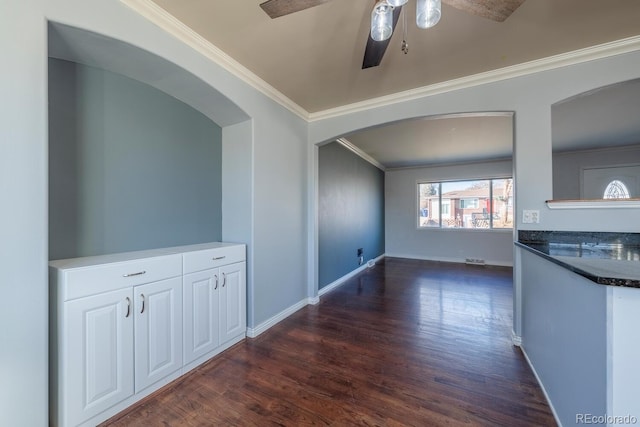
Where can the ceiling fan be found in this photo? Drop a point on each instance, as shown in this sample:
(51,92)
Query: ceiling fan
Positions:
(496,10)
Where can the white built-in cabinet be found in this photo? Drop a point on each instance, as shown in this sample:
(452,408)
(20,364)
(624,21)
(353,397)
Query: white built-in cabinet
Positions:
(214,294)
(96,360)
(232,302)
(158,331)
(124,325)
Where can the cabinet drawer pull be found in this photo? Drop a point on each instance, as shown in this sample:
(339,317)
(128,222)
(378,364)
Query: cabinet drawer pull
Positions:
(128,307)
(224,279)
(139,273)
(216,276)
(142,297)
(218,258)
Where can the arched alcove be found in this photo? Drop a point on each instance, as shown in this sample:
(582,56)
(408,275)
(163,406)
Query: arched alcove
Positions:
(121,67)
(89,48)
(596,141)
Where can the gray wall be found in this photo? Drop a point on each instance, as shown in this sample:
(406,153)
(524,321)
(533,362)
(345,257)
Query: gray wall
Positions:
(404,239)
(237,196)
(530,97)
(281,243)
(567,166)
(129,166)
(23,217)
(274,199)
(565,336)
(350,212)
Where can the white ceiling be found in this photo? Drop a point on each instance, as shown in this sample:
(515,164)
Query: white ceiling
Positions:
(314,58)
(437,140)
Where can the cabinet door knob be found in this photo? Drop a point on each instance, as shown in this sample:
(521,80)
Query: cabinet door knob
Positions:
(128,307)
(224,279)
(142,297)
(216,276)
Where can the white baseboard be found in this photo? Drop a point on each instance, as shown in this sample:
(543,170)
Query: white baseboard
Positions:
(331,286)
(449,259)
(544,391)
(516,339)
(254,332)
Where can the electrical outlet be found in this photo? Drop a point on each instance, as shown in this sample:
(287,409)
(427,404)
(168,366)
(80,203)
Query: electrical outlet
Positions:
(360,252)
(530,216)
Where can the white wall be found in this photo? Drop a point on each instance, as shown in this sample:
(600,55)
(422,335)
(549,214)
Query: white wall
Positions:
(404,239)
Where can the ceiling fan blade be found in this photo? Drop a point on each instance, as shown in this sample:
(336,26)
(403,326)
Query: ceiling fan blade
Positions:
(277,8)
(374,51)
(496,10)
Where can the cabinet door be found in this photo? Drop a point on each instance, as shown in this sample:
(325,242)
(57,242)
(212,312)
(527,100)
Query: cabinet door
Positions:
(98,354)
(158,331)
(201,313)
(233,322)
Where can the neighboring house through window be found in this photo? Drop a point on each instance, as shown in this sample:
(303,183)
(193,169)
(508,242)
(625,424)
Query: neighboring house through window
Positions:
(474,204)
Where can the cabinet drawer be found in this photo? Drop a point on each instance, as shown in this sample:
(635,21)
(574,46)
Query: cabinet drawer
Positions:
(90,280)
(212,258)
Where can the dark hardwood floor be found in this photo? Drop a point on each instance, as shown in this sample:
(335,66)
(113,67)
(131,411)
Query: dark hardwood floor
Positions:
(405,343)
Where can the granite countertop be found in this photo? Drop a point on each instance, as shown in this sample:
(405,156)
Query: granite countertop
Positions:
(605,258)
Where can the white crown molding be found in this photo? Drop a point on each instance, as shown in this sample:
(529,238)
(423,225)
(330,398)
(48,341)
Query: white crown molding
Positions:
(605,50)
(163,19)
(358,152)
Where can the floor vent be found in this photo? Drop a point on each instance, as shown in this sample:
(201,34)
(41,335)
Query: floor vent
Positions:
(474,261)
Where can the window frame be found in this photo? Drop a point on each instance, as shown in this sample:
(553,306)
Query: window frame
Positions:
(491,228)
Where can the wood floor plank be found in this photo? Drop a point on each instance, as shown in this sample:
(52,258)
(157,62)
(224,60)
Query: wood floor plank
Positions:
(405,343)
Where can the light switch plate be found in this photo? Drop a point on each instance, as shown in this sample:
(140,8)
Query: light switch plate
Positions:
(530,216)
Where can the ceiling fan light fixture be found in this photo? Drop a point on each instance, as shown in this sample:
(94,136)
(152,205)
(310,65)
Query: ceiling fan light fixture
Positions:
(428,13)
(397,3)
(382,21)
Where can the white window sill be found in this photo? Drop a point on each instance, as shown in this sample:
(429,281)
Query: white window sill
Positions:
(594,204)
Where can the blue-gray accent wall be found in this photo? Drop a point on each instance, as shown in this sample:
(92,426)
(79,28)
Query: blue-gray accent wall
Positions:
(130,167)
(350,212)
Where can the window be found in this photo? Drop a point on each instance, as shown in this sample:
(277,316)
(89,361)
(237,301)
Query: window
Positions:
(446,208)
(476,204)
(468,203)
(429,205)
(616,190)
